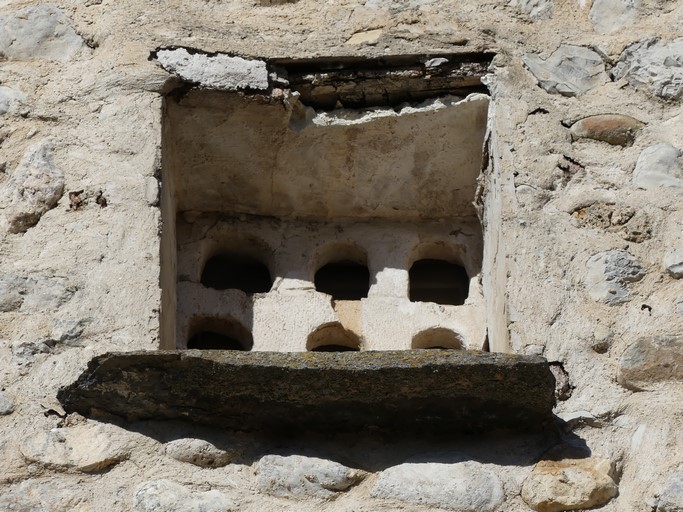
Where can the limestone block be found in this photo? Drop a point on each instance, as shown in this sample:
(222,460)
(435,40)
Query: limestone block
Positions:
(198,452)
(215,71)
(651,360)
(6,404)
(12,101)
(653,65)
(658,166)
(86,448)
(611,15)
(536,9)
(671,497)
(45,495)
(673,262)
(167,496)
(69,329)
(46,293)
(38,32)
(12,291)
(569,71)
(569,484)
(464,486)
(615,129)
(300,477)
(608,275)
(34,188)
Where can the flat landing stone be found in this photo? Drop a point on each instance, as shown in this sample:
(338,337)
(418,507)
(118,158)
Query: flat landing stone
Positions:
(427,390)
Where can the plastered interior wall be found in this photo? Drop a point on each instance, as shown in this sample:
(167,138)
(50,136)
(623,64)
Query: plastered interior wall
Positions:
(585,254)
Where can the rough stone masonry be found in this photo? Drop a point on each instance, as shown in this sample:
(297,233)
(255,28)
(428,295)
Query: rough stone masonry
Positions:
(579,198)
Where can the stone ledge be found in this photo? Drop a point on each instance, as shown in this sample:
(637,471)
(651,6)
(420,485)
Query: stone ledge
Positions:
(425,390)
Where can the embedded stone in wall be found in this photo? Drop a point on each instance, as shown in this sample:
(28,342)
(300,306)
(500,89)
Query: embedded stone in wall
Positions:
(46,495)
(658,166)
(463,487)
(12,101)
(301,477)
(651,360)
(38,32)
(569,484)
(46,293)
(536,9)
(671,497)
(86,448)
(12,291)
(34,188)
(625,221)
(167,496)
(608,275)
(673,262)
(6,404)
(199,452)
(569,71)
(215,71)
(611,15)
(615,129)
(653,65)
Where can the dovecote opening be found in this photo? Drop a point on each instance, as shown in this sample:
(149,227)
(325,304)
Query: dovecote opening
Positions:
(236,271)
(438,281)
(219,334)
(332,337)
(437,338)
(343,280)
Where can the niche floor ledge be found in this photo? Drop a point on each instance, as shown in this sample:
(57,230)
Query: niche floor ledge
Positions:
(422,390)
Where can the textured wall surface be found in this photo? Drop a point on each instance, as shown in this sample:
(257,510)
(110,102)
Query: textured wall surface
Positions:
(583,244)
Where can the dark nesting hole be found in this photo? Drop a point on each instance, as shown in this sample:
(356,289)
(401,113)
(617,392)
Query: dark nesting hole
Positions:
(437,338)
(219,334)
(334,348)
(438,281)
(236,271)
(344,280)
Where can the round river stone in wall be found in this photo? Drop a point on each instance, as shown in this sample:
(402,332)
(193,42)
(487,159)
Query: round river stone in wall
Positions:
(463,486)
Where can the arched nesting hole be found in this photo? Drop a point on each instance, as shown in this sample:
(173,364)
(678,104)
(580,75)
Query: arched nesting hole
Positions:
(344,273)
(438,281)
(219,334)
(437,338)
(332,338)
(237,271)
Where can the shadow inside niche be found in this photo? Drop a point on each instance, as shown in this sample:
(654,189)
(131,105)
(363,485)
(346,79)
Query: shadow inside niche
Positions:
(375,451)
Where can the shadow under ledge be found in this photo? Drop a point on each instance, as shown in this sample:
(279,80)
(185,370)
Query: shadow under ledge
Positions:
(426,391)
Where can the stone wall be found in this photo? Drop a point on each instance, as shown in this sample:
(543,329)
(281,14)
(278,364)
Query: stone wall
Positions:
(580,203)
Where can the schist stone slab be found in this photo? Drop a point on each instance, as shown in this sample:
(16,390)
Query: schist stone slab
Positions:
(425,390)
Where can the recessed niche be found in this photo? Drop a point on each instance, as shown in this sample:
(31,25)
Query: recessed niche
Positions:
(437,338)
(219,334)
(362,205)
(236,271)
(438,281)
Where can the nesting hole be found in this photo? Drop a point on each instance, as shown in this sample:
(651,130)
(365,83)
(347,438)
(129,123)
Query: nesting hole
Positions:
(219,334)
(438,281)
(344,273)
(437,338)
(332,338)
(237,271)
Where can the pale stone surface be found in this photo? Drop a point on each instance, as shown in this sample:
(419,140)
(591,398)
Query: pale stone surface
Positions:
(217,71)
(34,188)
(38,32)
(536,9)
(12,291)
(671,497)
(45,495)
(659,166)
(653,65)
(12,101)
(463,487)
(168,496)
(614,129)
(6,404)
(299,476)
(569,484)
(608,275)
(651,360)
(198,452)
(569,71)
(611,15)
(46,293)
(673,262)
(86,448)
